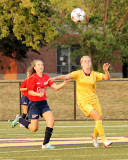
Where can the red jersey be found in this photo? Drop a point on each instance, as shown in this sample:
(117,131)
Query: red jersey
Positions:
(38,84)
(24,85)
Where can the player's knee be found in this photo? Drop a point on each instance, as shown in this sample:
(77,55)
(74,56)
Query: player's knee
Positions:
(99,117)
(34,129)
(52,122)
(25,112)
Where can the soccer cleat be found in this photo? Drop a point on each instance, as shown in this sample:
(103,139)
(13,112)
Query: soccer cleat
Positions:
(48,146)
(107,143)
(21,125)
(16,121)
(95,142)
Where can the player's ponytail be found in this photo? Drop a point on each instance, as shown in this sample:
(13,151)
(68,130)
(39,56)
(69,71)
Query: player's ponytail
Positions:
(31,71)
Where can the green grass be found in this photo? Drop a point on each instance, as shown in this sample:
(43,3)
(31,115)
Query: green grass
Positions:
(118,151)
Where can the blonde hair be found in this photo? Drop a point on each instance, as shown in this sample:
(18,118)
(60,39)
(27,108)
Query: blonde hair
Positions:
(81,60)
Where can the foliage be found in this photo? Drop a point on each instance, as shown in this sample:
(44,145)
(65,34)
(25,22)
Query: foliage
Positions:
(26,21)
(103,32)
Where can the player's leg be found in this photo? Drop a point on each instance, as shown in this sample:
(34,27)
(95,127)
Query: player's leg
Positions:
(98,130)
(99,126)
(20,120)
(33,125)
(86,109)
(24,102)
(33,113)
(95,134)
(94,137)
(48,116)
(25,111)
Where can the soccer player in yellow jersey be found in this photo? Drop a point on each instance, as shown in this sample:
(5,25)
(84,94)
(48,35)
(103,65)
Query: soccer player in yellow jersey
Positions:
(86,94)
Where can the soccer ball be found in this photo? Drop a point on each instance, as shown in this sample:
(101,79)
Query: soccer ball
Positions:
(78,15)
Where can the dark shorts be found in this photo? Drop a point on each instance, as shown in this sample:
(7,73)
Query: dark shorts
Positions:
(24,101)
(37,108)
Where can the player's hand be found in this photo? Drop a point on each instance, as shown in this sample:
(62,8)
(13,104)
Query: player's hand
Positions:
(41,94)
(51,79)
(106,66)
(66,81)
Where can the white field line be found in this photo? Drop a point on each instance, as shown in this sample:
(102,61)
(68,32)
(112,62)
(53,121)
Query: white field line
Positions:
(75,122)
(46,150)
(89,121)
(68,134)
(91,126)
(16,134)
(58,149)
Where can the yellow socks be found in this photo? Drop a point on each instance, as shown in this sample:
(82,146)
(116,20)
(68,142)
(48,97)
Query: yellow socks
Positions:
(95,135)
(100,129)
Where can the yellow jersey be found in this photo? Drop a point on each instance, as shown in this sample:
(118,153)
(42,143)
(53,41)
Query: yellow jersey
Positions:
(86,86)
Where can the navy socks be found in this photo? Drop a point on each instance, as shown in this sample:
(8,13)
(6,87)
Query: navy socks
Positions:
(24,122)
(48,133)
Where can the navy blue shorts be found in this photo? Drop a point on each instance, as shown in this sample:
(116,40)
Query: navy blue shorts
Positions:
(37,108)
(24,101)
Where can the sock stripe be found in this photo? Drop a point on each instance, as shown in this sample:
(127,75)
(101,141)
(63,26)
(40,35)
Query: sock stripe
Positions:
(98,122)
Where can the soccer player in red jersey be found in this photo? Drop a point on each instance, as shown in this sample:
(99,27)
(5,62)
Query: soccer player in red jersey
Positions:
(38,82)
(24,99)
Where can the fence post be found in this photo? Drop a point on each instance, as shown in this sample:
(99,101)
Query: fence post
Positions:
(19,97)
(74,100)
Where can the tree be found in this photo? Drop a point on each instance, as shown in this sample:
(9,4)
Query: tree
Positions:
(103,31)
(26,23)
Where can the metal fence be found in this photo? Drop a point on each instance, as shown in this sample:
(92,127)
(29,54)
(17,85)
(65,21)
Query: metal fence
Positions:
(112,96)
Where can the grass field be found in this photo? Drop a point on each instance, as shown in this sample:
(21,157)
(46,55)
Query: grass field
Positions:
(117,151)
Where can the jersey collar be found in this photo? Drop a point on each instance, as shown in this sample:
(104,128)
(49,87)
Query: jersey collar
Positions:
(87,74)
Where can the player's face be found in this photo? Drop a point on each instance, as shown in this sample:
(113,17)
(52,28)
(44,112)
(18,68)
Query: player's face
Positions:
(86,63)
(39,67)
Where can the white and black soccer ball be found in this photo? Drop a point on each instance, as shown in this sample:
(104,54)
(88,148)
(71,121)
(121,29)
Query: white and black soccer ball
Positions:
(78,15)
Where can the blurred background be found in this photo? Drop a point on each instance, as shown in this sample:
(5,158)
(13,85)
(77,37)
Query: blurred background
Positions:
(36,29)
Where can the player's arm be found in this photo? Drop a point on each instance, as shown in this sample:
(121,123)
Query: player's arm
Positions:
(33,93)
(62,77)
(23,86)
(106,76)
(59,86)
(23,89)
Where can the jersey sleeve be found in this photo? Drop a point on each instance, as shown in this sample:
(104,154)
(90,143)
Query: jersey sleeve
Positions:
(49,82)
(74,74)
(99,76)
(23,84)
